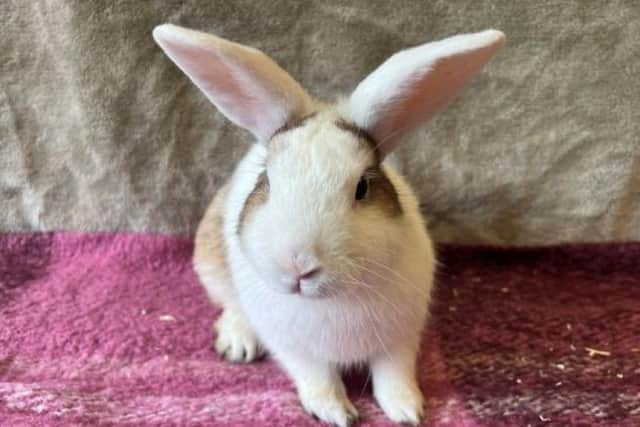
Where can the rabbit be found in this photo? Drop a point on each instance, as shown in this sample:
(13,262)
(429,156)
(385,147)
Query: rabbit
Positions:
(316,248)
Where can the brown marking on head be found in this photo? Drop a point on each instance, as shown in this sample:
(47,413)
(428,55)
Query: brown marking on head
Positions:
(260,192)
(256,198)
(295,123)
(362,135)
(274,148)
(381,194)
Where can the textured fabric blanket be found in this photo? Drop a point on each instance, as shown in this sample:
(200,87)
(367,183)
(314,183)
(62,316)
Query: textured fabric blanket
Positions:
(115,330)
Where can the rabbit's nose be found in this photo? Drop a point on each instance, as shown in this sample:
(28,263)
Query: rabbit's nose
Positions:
(302,269)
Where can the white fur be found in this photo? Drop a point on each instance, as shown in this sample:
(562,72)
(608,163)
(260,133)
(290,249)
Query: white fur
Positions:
(313,337)
(369,303)
(406,250)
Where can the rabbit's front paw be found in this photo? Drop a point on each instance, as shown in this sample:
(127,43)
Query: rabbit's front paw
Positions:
(401,403)
(235,341)
(330,405)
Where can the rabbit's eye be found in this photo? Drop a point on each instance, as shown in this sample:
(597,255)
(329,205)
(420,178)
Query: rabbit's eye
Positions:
(362,188)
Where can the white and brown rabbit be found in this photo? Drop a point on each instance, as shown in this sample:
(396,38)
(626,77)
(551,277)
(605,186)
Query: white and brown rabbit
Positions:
(316,247)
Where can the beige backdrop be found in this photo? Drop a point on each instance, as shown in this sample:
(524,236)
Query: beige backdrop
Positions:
(99,131)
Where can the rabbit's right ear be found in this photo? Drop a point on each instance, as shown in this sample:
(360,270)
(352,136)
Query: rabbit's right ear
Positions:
(245,84)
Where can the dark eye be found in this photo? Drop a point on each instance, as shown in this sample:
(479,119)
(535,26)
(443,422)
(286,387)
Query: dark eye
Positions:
(362,188)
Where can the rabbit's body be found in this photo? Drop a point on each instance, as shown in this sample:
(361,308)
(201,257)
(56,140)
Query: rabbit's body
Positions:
(367,322)
(316,248)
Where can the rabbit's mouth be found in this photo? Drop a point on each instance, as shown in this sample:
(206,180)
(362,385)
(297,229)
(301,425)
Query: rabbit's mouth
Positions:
(315,286)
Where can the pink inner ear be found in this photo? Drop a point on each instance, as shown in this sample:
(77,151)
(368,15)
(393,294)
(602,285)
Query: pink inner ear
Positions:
(413,85)
(429,94)
(229,87)
(246,86)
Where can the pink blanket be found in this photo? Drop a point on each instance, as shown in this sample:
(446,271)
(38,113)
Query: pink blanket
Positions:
(115,330)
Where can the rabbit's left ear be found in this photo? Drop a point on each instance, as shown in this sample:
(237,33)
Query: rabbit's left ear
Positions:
(244,83)
(412,85)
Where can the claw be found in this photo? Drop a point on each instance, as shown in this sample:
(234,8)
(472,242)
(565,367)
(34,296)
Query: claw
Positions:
(352,419)
(338,413)
(223,353)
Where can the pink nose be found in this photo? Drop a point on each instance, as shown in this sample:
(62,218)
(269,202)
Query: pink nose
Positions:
(303,268)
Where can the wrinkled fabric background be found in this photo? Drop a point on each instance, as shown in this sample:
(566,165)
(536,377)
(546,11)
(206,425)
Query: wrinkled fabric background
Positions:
(100,131)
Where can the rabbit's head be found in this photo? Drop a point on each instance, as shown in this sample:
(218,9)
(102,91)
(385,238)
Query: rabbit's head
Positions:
(322,206)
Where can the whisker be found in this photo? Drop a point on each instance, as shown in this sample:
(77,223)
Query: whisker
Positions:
(421,292)
(395,322)
(375,329)
(403,279)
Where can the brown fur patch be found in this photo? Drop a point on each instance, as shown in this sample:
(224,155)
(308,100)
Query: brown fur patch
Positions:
(362,135)
(294,123)
(258,197)
(381,191)
(382,194)
(210,252)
